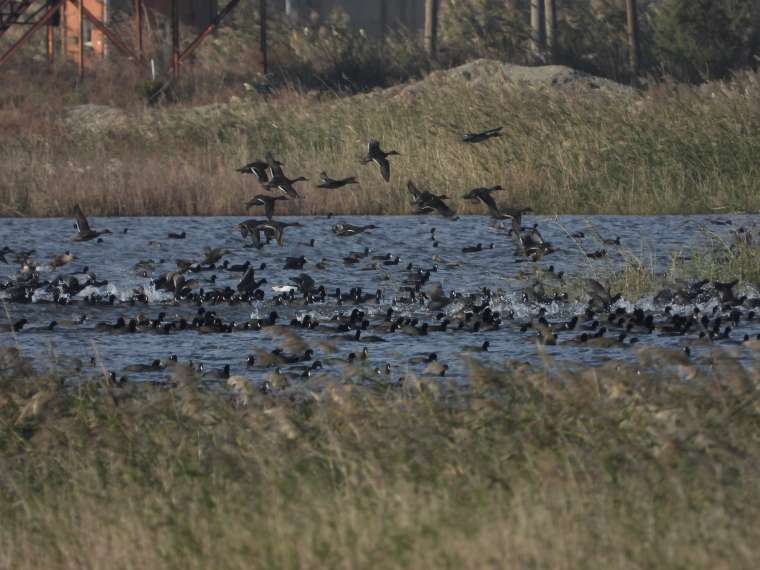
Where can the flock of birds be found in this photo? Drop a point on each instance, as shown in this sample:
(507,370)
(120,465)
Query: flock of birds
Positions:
(420,307)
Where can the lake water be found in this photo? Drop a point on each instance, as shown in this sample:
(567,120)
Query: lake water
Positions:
(654,240)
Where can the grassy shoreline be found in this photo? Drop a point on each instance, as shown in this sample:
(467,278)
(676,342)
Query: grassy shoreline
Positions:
(669,149)
(652,463)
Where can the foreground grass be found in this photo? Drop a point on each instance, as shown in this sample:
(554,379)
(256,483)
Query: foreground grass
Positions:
(668,149)
(652,464)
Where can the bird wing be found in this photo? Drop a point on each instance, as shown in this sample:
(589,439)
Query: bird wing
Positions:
(488,200)
(373,147)
(274,167)
(247,281)
(269,208)
(288,188)
(442,208)
(385,167)
(516,228)
(83,227)
(413,190)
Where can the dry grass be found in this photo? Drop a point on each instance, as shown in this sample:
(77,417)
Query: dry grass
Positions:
(720,260)
(652,464)
(670,149)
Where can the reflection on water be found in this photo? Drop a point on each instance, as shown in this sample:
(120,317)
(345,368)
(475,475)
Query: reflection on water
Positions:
(653,239)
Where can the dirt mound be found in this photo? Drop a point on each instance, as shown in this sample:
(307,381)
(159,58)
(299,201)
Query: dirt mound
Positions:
(495,74)
(95,119)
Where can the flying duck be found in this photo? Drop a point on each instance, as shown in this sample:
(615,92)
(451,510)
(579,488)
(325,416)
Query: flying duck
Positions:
(332,183)
(482,135)
(84,231)
(380,157)
(267,201)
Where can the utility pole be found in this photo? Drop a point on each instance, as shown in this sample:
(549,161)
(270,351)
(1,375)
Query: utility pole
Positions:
(383,18)
(537,29)
(63,32)
(632,16)
(431,27)
(175,39)
(137,6)
(263,36)
(80,40)
(291,8)
(550,18)
(50,40)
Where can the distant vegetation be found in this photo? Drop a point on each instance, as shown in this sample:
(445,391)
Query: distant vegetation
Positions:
(686,40)
(667,149)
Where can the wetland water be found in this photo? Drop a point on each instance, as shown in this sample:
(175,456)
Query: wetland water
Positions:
(652,239)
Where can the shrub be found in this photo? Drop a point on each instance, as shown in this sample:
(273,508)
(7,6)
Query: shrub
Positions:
(699,39)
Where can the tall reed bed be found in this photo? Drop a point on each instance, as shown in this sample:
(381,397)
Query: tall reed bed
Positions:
(669,149)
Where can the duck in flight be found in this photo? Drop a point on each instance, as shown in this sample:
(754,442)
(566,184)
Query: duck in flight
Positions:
(504,213)
(482,135)
(253,228)
(426,202)
(267,201)
(278,180)
(84,231)
(380,157)
(484,195)
(332,183)
(258,168)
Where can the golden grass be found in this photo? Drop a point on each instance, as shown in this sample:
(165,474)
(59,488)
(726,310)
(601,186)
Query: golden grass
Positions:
(651,464)
(669,149)
(718,261)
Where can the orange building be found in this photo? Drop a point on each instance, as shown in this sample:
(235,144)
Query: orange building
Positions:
(94,41)
(194,13)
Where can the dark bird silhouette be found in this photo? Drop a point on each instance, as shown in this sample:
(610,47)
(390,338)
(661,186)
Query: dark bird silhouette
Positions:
(380,157)
(304,282)
(515,214)
(344,230)
(332,183)
(484,195)
(426,202)
(272,229)
(248,283)
(13,327)
(267,201)
(531,243)
(294,262)
(85,232)
(278,180)
(482,135)
(258,168)
(498,213)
